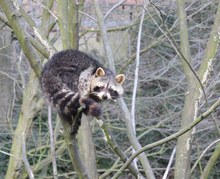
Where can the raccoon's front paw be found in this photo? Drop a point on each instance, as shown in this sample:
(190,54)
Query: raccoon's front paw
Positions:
(91,107)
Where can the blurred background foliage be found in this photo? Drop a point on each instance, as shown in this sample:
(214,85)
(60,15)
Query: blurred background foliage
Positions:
(161,85)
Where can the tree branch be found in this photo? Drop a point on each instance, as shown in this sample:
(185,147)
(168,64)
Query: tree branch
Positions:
(209,166)
(114,7)
(114,146)
(68,23)
(72,148)
(133,121)
(169,164)
(24,157)
(203,153)
(211,49)
(12,16)
(171,137)
(52,145)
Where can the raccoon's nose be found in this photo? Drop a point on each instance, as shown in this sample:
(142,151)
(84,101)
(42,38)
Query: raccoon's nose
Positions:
(104,97)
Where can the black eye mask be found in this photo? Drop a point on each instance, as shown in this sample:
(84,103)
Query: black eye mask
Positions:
(114,94)
(98,88)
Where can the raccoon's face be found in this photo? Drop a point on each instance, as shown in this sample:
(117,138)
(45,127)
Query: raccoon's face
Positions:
(105,86)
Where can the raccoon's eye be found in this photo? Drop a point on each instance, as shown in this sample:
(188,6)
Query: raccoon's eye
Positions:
(98,88)
(113,93)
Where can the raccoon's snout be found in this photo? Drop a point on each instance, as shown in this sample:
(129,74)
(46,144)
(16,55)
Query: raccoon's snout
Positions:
(104,97)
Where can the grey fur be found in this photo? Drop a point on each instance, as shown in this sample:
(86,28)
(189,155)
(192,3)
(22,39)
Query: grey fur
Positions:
(66,81)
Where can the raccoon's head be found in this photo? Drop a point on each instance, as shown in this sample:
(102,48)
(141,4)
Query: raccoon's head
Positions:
(106,86)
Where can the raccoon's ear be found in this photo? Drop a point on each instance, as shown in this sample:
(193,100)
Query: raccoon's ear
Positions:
(120,78)
(100,72)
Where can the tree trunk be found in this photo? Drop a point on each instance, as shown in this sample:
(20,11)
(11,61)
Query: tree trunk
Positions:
(86,146)
(68,22)
(183,149)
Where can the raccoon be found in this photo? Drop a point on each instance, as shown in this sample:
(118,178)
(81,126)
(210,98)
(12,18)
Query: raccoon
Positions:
(71,79)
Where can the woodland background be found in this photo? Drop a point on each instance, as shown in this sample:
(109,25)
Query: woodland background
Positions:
(166,49)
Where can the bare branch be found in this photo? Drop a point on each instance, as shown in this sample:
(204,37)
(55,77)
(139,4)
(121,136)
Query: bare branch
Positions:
(114,7)
(24,157)
(136,77)
(52,146)
(87,15)
(169,164)
(42,38)
(211,162)
(211,49)
(47,9)
(115,147)
(169,37)
(202,154)
(11,13)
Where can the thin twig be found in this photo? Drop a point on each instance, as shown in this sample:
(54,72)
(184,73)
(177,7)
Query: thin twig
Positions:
(24,157)
(12,78)
(52,148)
(87,15)
(6,153)
(203,153)
(37,31)
(136,78)
(169,164)
(114,7)
(45,7)
(211,162)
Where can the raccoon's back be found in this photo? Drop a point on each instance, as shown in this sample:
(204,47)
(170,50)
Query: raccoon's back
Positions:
(60,76)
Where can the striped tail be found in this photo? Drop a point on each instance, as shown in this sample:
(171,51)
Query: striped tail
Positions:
(67,103)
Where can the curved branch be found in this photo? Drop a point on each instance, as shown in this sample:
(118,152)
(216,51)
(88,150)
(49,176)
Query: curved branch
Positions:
(110,10)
